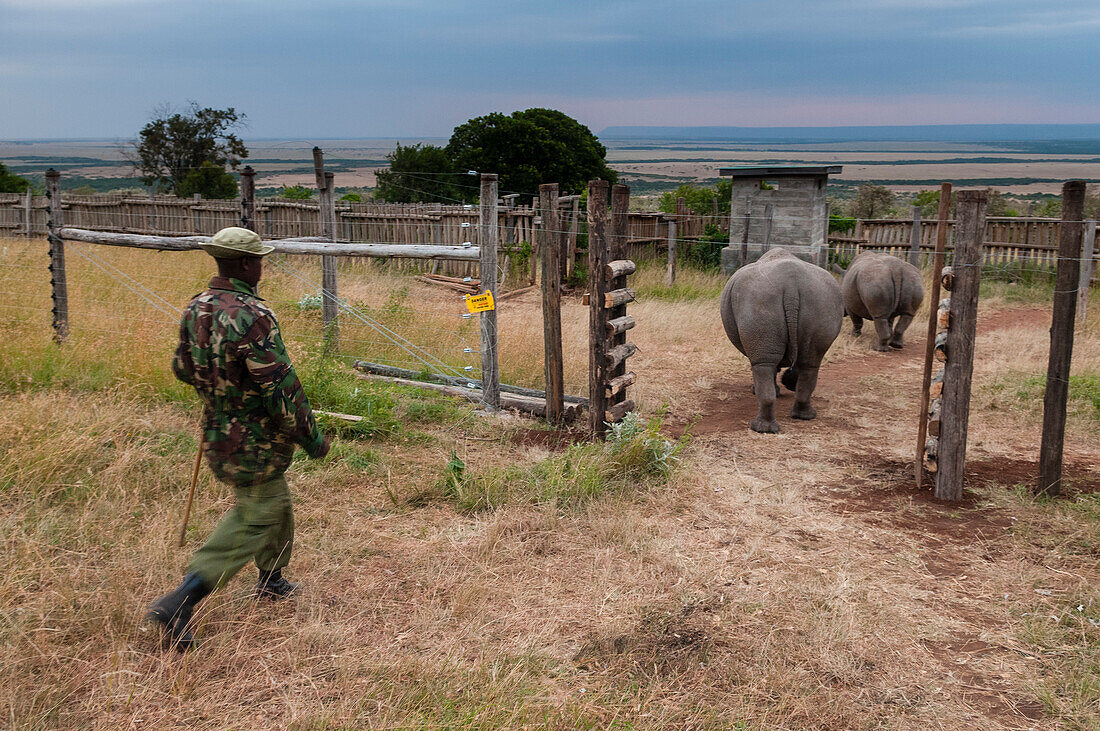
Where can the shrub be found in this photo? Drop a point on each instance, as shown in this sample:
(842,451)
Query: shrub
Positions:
(635,457)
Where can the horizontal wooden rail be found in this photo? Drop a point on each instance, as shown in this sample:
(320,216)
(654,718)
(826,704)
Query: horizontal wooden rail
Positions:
(312,246)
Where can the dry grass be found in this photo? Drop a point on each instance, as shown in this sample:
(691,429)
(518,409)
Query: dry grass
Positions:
(787,581)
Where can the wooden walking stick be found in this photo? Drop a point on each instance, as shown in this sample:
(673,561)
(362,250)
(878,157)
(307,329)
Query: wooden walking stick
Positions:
(191,495)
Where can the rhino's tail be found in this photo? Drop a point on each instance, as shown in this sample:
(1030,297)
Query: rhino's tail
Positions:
(899,288)
(790,314)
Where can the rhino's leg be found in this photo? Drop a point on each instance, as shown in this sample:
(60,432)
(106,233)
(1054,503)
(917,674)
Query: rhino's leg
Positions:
(897,340)
(857,325)
(882,329)
(807,381)
(763,379)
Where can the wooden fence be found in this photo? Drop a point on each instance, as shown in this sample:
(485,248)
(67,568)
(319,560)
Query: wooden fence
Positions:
(399,223)
(1025,242)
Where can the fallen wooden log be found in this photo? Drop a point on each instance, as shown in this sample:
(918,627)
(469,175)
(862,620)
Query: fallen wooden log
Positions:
(456,287)
(526,404)
(514,293)
(379,369)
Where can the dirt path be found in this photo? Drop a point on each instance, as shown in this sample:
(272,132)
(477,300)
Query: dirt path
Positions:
(954,553)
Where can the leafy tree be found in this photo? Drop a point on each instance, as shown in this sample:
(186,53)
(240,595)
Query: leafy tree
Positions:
(208,180)
(928,201)
(422,174)
(871,201)
(296,192)
(351,198)
(699,199)
(173,144)
(531,147)
(10,182)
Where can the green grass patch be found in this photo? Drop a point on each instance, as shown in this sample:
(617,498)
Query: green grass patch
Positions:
(1026,391)
(634,458)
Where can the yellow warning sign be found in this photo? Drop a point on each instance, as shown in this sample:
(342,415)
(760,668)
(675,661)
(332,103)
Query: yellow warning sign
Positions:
(480,302)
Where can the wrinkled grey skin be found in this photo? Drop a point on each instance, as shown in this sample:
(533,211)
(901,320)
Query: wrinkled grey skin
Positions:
(780,312)
(882,288)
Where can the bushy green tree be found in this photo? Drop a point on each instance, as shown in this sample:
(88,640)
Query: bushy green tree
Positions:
(699,199)
(871,201)
(529,148)
(422,174)
(209,181)
(10,182)
(174,144)
(928,201)
(296,192)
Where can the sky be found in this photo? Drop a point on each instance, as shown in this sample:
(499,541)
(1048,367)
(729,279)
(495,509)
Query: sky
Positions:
(417,68)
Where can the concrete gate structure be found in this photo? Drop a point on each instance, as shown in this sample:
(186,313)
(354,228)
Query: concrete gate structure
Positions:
(779,205)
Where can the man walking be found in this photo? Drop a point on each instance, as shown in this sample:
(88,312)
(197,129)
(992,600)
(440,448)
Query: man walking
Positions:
(231,351)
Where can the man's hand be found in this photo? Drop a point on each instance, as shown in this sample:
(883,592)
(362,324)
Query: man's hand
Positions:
(325,446)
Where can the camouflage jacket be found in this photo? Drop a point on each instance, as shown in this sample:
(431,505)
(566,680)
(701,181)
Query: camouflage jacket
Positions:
(256,411)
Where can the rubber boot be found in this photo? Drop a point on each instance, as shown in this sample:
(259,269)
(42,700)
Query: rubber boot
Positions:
(273,586)
(173,610)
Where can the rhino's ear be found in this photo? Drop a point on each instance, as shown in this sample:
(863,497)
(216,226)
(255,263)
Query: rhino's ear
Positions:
(837,269)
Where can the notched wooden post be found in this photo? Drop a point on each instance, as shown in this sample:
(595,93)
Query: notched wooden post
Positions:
(326,213)
(930,341)
(58,285)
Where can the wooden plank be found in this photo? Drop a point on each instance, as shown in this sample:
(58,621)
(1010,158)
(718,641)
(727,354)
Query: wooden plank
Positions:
(1088,265)
(619,325)
(616,412)
(914,239)
(306,246)
(1070,239)
(551,302)
(618,297)
(670,272)
(617,356)
(929,343)
(489,232)
(619,268)
(959,371)
(619,383)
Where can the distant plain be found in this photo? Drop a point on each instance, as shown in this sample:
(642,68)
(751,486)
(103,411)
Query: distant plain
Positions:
(648,166)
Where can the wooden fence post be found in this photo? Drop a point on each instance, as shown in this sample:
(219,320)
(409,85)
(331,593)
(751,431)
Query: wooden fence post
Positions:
(248,199)
(914,239)
(618,405)
(58,284)
(959,371)
(28,212)
(930,341)
(551,302)
(768,228)
(196,214)
(326,214)
(1061,337)
(1088,249)
(743,259)
(489,233)
(599,256)
(670,274)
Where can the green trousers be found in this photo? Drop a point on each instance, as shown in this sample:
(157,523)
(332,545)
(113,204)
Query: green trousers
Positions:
(260,527)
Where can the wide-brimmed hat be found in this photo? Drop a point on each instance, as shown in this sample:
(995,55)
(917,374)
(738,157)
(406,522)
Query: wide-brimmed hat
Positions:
(235,242)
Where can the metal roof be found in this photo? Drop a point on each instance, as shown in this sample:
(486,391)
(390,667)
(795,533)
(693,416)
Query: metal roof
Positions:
(778,171)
